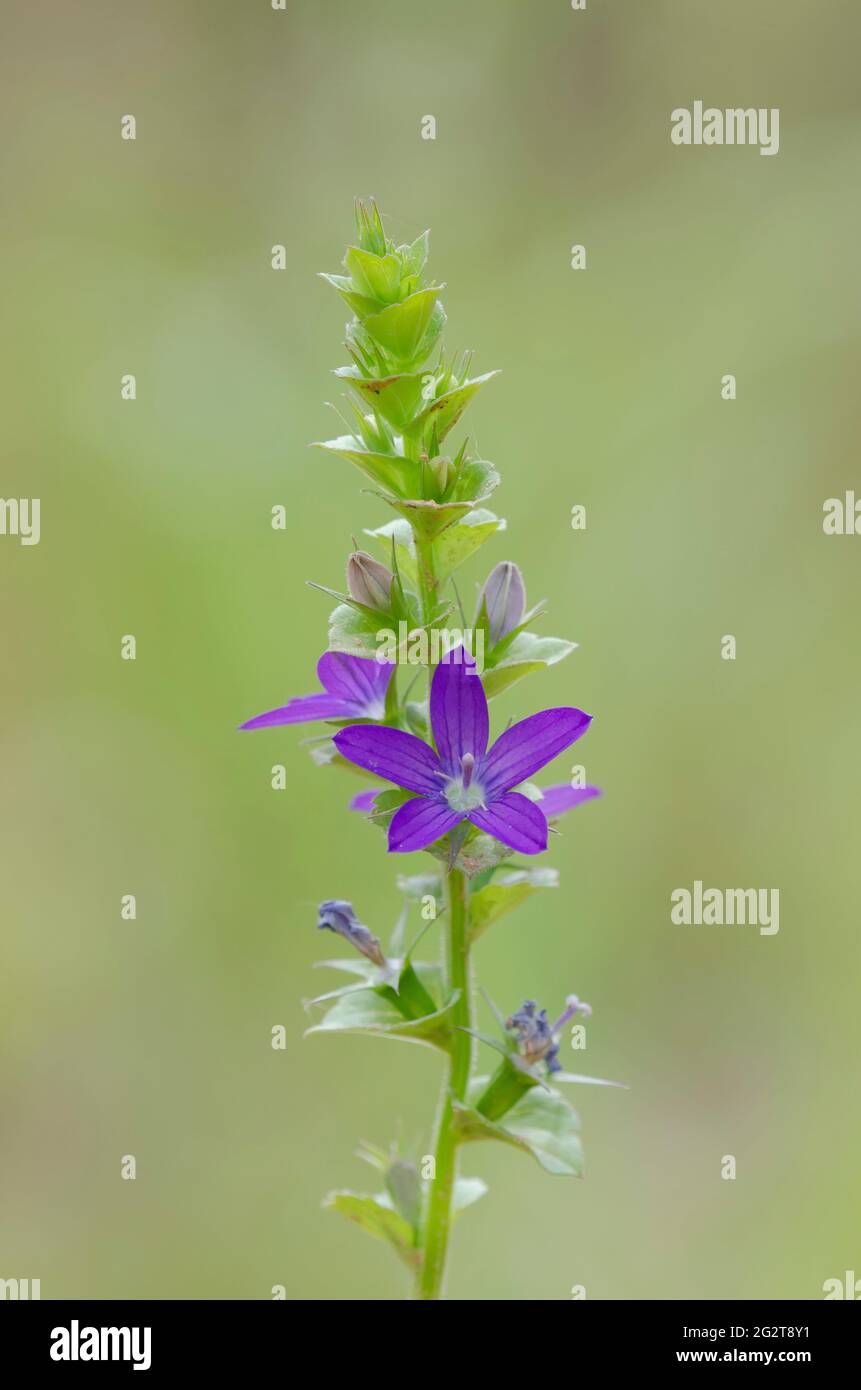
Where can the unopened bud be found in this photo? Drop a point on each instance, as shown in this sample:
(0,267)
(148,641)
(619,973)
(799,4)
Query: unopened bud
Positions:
(369,581)
(504,596)
(442,472)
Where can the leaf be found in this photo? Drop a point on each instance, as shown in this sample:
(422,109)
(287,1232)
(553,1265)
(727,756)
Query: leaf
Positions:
(400,475)
(507,890)
(379,277)
(542,1124)
(370,1011)
(397,398)
(401,328)
(475,481)
(358,304)
(412,995)
(386,803)
(461,541)
(429,519)
(401,532)
(443,413)
(526,653)
(353,632)
(378,1219)
(414,255)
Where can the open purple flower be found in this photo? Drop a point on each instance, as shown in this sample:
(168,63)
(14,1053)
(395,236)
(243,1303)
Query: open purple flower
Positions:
(554,801)
(464,780)
(354,687)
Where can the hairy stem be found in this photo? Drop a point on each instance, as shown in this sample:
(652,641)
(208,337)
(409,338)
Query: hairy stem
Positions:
(437,1217)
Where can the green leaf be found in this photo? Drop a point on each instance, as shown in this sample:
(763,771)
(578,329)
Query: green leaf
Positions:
(397,398)
(379,277)
(429,519)
(401,328)
(527,653)
(476,479)
(402,476)
(542,1124)
(461,541)
(414,255)
(378,1219)
(371,1011)
(507,890)
(358,304)
(401,532)
(353,632)
(443,413)
(412,995)
(386,803)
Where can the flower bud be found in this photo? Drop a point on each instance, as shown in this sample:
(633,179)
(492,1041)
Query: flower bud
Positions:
(504,596)
(441,471)
(369,581)
(338,916)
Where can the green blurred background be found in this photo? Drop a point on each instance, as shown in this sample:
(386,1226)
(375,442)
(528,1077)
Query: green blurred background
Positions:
(152,1037)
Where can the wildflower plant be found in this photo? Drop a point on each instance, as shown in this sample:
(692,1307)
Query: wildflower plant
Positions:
(442,785)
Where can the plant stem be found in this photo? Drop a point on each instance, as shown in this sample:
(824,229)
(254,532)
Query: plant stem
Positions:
(426,570)
(437,1218)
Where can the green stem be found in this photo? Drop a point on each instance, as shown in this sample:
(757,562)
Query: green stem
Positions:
(438,1215)
(427,577)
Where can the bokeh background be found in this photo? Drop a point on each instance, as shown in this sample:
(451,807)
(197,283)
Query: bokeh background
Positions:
(152,1038)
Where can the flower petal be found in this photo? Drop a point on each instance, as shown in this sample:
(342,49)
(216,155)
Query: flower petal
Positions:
(458,710)
(527,746)
(419,822)
(302,709)
(397,756)
(359,679)
(555,801)
(516,821)
(364,801)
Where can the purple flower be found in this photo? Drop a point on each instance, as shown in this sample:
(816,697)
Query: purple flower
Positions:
(463,780)
(354,687)
(554,802)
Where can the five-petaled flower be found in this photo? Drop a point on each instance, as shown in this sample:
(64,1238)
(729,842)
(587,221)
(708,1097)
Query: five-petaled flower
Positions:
(354,687)
(464,780)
